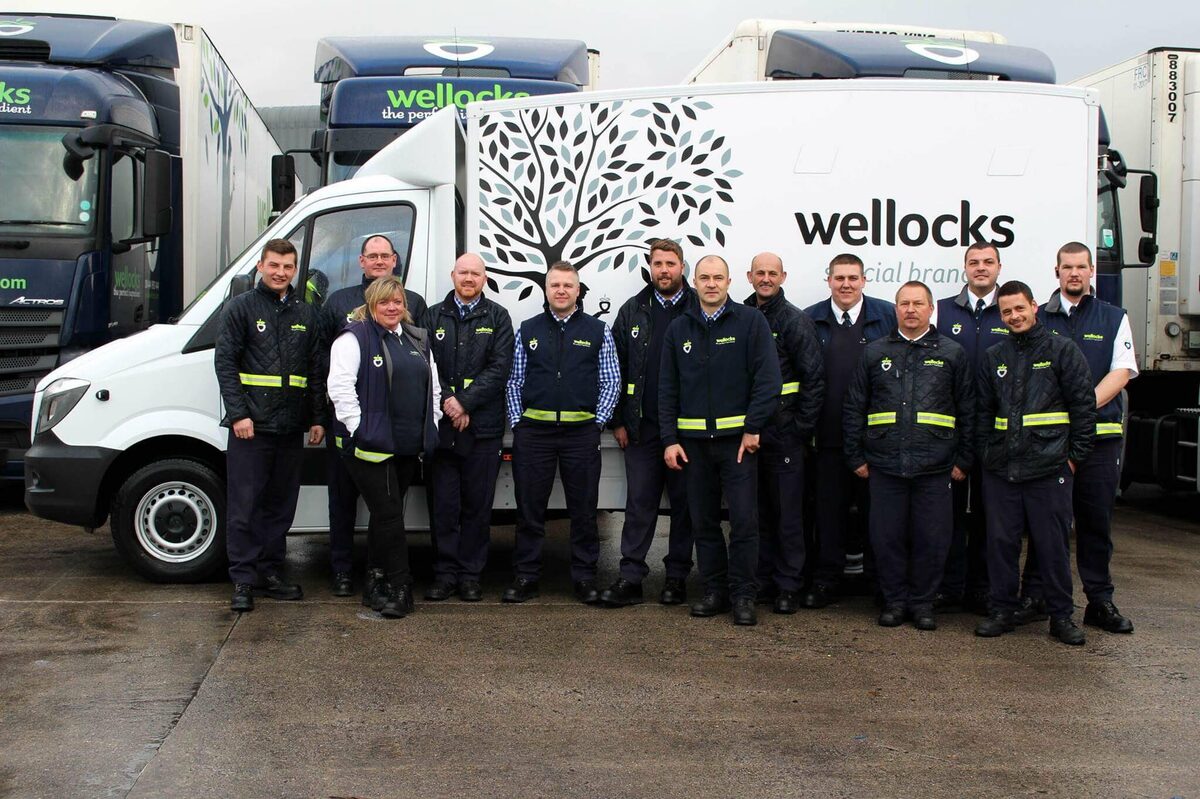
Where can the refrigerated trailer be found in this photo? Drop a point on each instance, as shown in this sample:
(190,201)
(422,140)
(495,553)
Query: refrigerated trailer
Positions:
(131,432)
(134,169)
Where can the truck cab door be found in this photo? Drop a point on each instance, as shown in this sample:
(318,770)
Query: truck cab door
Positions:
(131,308)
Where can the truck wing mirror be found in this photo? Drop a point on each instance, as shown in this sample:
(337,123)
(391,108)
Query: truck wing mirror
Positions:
(240,284)
(156,194)
(1148,203)
(1147,249)
(77,153)
(283,182)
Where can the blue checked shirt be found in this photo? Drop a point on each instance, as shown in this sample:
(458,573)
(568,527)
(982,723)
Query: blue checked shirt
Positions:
(610,378)
(465,308)
(715,316)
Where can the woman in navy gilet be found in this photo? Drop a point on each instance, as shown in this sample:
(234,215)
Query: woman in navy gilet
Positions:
(387,400)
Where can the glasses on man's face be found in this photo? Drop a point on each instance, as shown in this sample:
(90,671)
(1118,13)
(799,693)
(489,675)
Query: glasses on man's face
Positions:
(374,257)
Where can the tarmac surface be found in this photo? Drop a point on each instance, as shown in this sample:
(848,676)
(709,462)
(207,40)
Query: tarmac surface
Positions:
(115,687)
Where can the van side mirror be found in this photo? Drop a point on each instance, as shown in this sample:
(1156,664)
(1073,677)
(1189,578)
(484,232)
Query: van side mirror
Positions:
(156,194)
(1148,203)
(283,182)
(241,284)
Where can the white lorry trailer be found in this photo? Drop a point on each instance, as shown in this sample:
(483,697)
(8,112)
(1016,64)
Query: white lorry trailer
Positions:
(904,173)
(1152,106)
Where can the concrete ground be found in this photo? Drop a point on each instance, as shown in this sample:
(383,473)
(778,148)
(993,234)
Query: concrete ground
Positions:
(112,686)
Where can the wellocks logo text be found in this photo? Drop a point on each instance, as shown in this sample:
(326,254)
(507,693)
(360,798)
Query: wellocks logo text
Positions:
(884,225)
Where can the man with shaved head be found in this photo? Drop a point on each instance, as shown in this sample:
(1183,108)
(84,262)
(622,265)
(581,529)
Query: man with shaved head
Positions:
(472,339)
(718,390)
(784,440)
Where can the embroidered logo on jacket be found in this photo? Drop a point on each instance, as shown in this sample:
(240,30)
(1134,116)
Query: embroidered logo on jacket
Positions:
(377,360)
(1042,365)
(956,328)
(1001,370)
(440,333)
(938,362)
(579,342)
(687,346)
(633,331)
(727,339)
(300,328)
(261,325)
(885,364)
(533,344)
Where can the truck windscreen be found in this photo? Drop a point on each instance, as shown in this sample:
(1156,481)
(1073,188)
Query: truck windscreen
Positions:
(38,198)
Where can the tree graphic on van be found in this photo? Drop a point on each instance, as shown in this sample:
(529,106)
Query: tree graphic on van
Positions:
(589,183)
(227,108)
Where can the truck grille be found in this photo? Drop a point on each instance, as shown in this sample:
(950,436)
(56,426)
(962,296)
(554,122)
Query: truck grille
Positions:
(29,344)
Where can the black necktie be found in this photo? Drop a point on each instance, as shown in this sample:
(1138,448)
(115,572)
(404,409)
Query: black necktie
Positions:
(978,307)
(846,319)
(1071,311)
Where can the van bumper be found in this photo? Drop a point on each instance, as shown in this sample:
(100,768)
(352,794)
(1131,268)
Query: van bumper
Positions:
(62,482)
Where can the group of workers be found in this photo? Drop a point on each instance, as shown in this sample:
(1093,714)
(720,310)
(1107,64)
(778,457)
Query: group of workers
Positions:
(958,429)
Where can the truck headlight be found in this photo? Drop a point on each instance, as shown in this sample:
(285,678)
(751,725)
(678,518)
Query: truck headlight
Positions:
(61,396)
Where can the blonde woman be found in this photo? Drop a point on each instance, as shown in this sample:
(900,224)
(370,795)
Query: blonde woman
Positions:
(387,402)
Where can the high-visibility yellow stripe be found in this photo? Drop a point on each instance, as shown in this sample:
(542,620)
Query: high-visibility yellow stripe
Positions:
(1109,429)
(730,422)
(337,441)
(467,381)
(886,417)
(790,388)
(371,457)
(936,419)
(557,416)
(297,381)
(629,387)
(690,424)
(1001,424)
(268,381)
(1044,419)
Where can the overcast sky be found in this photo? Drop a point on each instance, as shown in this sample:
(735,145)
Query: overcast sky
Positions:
(269,45)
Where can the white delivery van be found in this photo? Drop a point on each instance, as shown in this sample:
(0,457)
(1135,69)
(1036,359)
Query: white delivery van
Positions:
(904,173)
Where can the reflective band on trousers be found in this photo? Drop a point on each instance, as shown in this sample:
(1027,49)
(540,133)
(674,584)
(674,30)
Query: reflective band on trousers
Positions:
(557,416)
(936,419)
(723,423)
(887,417)
(269,381)
(790,388)
(372,457)
(1109,429)
(1037,420)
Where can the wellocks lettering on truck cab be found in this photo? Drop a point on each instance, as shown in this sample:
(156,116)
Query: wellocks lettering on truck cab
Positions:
(884,225)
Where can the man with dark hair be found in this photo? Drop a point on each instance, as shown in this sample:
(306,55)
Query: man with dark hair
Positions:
(271,371)
(377,258)
(1035,423)
(472,340)
(785,439)
(908,423)
(639,332)
(971,319)
(846,323)
(1103,334)
(561,393)
(719,387)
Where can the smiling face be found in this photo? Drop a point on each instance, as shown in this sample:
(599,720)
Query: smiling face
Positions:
(378,258)
(1074,271)
(846,282)
(1018,312)
(983,269)
(562,290)
(277,271)
(914,309)
(390,311)
(469,277)
(666,270)
(766,275)
(712,282)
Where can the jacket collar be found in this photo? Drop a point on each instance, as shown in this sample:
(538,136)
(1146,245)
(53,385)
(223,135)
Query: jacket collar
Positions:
(931,338)
(1031,336)
(1055,304)
(770,306)
(966,300)
(875,310)
(291,292)
(687,296)
(450,308)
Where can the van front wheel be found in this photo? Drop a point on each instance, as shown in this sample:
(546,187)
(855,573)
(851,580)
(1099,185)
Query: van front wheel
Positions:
(168,521)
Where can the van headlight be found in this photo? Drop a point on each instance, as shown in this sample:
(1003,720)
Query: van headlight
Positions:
(60,397)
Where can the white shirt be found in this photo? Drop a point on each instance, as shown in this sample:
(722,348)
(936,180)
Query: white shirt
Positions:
(344,359)
(854,311)
(1123,356)
(906,338)
(988,299)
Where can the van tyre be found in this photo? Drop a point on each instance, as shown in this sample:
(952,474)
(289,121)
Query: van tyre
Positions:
(168,521)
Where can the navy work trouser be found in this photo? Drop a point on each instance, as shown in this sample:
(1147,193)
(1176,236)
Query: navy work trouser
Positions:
(343,510)
(461,490)
(1096,482)
(539,450)
(781,511)
(912,519)
(383,486)
(1043,507)
(838,488)
(966,563)
(711,469)
(263,484)
(646,474)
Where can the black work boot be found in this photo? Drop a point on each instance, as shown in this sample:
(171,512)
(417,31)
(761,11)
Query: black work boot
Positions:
(1030,609)
(1066,631)
(375,590)
(1106,616)
(998,622)
(243,598)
